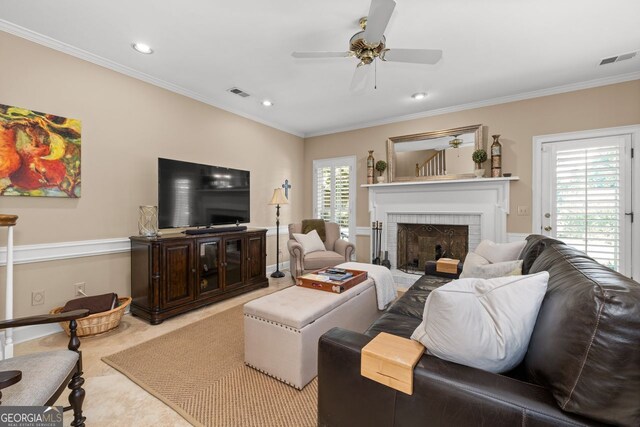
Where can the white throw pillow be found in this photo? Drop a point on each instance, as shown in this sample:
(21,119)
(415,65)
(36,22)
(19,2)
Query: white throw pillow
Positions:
(311,242)
(500,252)
(479,267)
(482,323)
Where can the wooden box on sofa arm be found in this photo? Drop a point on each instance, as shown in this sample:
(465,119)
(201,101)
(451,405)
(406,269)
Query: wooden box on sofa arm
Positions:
(38,379)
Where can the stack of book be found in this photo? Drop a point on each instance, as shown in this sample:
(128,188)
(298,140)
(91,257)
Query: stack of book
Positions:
(336,274)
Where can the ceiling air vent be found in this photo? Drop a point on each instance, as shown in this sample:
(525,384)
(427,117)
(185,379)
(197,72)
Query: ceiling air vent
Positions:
(238,92)
(618,58)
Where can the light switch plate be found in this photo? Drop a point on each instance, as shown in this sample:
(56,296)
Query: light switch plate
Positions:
(523,210)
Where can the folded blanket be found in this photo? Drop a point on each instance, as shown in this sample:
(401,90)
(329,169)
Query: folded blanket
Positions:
(95,304)
(386,289)
(314,224)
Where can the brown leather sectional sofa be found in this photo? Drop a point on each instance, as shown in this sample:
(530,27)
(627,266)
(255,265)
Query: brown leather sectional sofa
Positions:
(582,366)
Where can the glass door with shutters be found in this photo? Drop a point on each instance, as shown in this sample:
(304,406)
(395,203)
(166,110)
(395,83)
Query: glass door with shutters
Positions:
(334,193)
(586,197)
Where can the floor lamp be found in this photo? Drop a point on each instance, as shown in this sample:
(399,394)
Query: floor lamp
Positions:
(278,199)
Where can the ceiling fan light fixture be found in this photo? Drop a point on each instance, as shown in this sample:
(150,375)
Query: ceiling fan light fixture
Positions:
(267,103)
(456,142)
(418,96)
(142,48)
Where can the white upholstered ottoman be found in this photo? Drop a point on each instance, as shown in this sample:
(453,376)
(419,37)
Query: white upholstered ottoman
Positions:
(281,330)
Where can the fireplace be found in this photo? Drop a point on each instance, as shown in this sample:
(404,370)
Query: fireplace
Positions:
(480,204)
(419,243)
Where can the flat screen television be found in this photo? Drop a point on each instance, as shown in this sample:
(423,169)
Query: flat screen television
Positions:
(194,195)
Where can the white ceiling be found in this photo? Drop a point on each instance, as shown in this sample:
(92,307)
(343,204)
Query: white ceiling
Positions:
(492,49)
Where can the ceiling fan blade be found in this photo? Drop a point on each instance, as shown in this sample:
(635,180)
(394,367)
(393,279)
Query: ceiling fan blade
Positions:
(361,78)
(415,56)
(321,54)
(379,15)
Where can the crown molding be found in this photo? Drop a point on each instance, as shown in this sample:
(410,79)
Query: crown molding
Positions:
(486,103)
(49,42)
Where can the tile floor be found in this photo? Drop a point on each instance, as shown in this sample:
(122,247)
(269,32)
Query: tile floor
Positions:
(111,398)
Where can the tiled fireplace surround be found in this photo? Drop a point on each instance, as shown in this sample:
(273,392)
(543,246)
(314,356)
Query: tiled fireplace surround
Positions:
(482,204)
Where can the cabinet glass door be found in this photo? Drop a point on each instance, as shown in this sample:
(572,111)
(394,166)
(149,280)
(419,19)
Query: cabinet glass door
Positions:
(233,251)
(209,274)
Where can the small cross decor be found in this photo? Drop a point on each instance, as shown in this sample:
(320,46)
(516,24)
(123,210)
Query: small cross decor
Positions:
(286,187)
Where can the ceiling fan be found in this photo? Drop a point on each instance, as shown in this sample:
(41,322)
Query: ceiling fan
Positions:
(370,43)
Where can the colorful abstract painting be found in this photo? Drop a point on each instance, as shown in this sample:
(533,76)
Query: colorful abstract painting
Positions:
(39,154)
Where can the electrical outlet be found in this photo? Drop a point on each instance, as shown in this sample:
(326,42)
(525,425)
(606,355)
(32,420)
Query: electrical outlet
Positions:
(79,289)
(523,210)
(37,297)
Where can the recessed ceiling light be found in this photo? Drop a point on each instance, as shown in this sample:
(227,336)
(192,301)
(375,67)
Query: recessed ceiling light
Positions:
(267,103)
(418,96)
(142,48)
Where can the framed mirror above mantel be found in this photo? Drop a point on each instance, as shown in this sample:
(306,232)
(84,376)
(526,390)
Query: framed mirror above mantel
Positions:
(435,155)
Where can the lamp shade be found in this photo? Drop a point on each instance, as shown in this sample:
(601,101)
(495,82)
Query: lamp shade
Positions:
(278,198)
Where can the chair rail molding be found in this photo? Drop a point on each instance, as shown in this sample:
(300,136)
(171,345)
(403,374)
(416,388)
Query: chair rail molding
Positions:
(42,252)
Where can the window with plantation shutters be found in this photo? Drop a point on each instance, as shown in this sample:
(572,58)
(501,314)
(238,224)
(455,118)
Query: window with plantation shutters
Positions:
(589,195)
(334,193)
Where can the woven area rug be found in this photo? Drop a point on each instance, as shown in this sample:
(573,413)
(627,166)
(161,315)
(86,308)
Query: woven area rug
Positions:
(199,372)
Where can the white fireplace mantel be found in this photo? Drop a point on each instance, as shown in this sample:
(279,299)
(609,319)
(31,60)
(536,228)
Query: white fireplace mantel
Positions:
(481,203)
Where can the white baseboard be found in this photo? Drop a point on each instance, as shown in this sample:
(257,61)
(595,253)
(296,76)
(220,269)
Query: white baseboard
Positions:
(25,254)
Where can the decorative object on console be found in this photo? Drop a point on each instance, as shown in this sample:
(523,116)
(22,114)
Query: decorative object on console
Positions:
(148,221)
(479,157)
(370,163)
(46,161)
(381,166)
(376,232)
(492,320)
(496,157)
(277,200)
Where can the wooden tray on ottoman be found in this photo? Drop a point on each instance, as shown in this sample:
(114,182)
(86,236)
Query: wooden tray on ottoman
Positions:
(314,280)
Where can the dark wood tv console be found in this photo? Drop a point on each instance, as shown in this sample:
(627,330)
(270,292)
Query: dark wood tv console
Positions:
(177,273)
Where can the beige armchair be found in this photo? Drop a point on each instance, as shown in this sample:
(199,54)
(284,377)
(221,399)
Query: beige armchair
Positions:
(338,251)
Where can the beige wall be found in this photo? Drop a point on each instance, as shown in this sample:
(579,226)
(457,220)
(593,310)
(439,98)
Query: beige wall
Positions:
(126,125)
(517,122)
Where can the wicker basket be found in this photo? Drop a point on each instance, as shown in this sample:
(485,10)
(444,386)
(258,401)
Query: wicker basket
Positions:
(97,323)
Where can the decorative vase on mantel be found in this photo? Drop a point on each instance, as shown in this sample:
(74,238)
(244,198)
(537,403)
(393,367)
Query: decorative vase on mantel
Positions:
(370,163)
(478,171)
(496,157)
